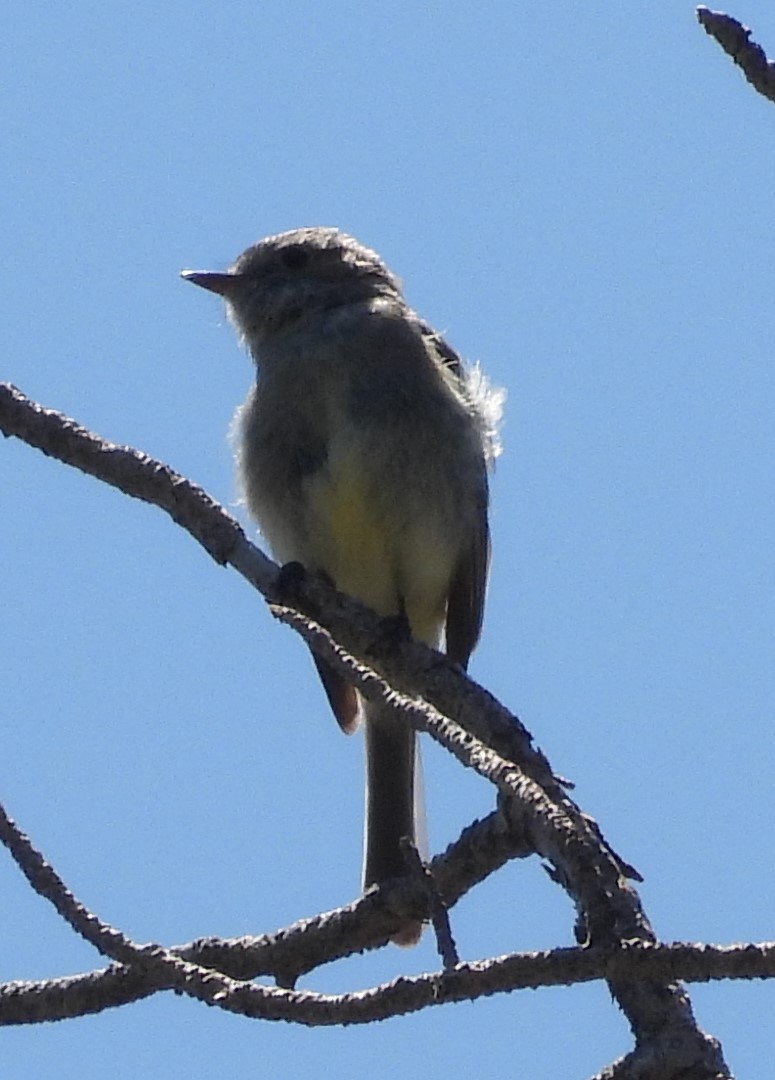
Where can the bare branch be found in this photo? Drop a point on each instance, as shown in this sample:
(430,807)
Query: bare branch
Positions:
(735,40)
(169,970)
(436,697)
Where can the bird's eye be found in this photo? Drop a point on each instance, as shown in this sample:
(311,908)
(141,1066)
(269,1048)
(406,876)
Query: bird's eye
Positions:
(294,257)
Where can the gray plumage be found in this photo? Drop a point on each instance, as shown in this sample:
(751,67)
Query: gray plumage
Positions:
(362,451)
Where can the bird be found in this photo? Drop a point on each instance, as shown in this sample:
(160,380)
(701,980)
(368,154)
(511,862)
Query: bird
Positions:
(362,452)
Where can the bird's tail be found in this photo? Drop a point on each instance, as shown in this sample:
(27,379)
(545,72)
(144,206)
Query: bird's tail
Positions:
(393,801)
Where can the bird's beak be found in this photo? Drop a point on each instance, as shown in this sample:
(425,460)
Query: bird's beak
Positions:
(216,282)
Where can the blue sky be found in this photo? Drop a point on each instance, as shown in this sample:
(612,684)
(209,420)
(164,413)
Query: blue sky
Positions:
(583,201)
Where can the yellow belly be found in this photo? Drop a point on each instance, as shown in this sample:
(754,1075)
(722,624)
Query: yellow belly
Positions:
(378,553)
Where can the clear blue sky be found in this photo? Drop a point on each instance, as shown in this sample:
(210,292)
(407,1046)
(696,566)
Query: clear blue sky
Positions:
(583,199)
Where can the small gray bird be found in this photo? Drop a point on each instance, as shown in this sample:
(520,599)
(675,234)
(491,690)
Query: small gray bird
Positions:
(362,452)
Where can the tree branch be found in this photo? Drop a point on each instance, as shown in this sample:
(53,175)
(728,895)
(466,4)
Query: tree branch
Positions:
(436,697)
(156,968)
(735,40)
